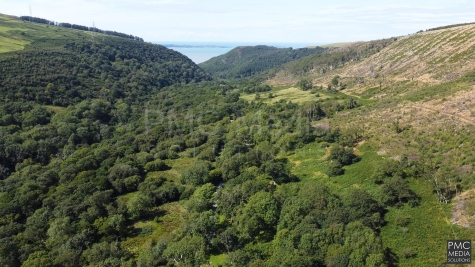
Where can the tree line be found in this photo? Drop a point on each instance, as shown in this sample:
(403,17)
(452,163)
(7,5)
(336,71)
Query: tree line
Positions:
(79,27)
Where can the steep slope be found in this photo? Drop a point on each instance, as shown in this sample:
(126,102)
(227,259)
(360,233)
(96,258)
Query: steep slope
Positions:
(418,109)
(74,65)
(429,57)
(319,64)
(246,61)
(424,81)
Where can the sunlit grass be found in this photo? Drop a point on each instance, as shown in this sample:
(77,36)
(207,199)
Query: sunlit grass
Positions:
(18,35)
(177,167)
(171,218)
(216,260)
(55,109)
(9,44)
(293,94)
(343,44)
(310,164)
(427,234)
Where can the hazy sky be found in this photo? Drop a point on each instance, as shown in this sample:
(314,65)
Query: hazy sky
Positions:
(252,20)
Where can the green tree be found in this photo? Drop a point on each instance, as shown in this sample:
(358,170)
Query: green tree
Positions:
(343,155)
(336,81)
(260,214)
(201,200)
(197,174)
(335,169)
(231,167)
(156,165)
(118,173)
(278,171)
(137,205)
(305,84)
(351,103)
(190,251)
(359,205)
(396,191)
(38,259)
(105,254)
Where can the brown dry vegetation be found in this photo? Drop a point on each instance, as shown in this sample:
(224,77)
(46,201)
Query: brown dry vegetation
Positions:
(424,58)
(428,58)
(417,82)
(463,211)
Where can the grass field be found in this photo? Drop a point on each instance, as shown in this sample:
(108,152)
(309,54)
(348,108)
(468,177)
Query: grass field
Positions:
(10,44)
(217,260)
(171,217)
(310,164)
(55,109)
(288,93)
(343,44)
(20,35)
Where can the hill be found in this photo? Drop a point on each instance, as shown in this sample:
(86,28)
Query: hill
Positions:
(336,170)
(337,44)
(432,57)
(245,61)
(61,66)
(320,63)
(417,97)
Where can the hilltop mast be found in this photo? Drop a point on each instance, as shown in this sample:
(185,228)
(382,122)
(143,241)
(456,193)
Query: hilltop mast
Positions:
(93,30)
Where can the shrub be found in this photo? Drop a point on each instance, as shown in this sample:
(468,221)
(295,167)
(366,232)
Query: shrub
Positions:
(335,169)
(403,221)
(132,182)
(408,253)
(344,156)
(156,165)
(197,174)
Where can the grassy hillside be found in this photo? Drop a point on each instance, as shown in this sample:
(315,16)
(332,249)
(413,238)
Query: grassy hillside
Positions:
(16,34)
(337,44)
(246,61)
(420,89)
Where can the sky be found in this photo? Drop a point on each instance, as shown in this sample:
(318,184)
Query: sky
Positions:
(253,21)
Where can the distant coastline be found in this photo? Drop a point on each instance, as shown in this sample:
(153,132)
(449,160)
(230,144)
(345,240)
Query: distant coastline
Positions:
(194,46)
(202,51)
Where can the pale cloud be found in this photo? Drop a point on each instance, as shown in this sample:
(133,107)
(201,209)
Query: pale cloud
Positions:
(253,20)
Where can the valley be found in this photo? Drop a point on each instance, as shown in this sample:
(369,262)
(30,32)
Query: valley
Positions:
(117,152)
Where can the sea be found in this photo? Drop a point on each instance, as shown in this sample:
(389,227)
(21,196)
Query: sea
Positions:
(202,51)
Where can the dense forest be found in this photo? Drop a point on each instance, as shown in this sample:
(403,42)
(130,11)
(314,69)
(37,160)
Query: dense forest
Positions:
(75,180)
(115,152)
(110,69)
(246,61)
